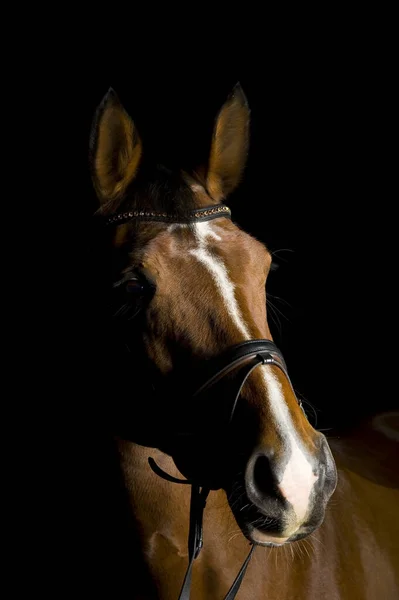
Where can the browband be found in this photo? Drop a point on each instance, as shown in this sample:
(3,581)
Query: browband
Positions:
(199,214)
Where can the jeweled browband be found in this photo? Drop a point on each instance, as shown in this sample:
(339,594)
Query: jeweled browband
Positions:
(199,214)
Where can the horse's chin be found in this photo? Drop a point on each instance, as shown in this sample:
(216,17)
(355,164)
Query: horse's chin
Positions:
(258,528)
(260,538)
(258,535)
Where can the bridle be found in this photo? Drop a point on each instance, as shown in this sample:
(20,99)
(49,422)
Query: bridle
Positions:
(241,360)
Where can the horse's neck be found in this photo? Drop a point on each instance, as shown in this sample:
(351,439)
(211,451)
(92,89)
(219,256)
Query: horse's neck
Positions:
(162,508)
(154,500)
(161,513)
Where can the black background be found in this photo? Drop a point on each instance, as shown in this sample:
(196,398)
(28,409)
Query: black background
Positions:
(318,190)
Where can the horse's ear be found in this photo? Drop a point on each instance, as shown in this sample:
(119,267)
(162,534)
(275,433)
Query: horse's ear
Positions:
(229,146)
(115,149)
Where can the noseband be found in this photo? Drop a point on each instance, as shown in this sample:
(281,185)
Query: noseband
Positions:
(240,361)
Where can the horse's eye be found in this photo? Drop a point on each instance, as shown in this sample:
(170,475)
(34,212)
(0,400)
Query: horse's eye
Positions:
(134,286)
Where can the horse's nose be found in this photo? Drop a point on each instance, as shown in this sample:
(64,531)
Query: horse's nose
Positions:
(262,486)
(285,483)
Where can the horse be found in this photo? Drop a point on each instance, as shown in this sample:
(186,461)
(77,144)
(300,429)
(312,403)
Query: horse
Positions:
(232,492)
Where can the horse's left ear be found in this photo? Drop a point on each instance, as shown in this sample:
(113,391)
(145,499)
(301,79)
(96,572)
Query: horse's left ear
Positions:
(229,147)
(115,149)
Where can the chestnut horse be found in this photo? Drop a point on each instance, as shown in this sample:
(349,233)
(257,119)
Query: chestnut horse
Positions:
(202,391)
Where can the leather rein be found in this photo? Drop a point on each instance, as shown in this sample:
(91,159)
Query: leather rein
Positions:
(242,358)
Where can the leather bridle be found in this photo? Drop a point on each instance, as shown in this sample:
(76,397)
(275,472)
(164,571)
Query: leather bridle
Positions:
(240,360)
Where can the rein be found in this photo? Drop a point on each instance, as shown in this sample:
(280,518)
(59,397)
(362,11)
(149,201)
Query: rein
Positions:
(244,358)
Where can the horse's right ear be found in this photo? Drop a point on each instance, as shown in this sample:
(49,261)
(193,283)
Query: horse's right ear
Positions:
(229,146)
(115,149)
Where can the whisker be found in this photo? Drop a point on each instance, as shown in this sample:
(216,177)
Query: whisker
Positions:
(274,317)
(279,299)
(275,253)
(235,534)
(300,549)
(313,538)
(306,549)
(304,400)
(121,310)
(270,303)
(237,500)
(236,486)
(285,553)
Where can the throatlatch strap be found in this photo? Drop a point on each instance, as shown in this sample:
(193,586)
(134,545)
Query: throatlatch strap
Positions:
(195,540)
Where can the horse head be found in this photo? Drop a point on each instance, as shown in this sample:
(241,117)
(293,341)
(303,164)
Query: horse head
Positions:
(184,284)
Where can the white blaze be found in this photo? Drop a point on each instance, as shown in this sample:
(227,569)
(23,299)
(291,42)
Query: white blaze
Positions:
(216,268)
(298,479)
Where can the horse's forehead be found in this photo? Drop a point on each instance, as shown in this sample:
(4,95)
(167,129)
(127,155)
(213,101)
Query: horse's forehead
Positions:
(224,239)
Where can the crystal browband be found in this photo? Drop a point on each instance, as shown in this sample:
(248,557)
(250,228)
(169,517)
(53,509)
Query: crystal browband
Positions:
(200,214)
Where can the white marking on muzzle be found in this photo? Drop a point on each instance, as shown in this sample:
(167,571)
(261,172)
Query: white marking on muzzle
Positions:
(298,479)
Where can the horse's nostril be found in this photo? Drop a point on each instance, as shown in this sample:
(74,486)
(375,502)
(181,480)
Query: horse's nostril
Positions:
(264,480)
